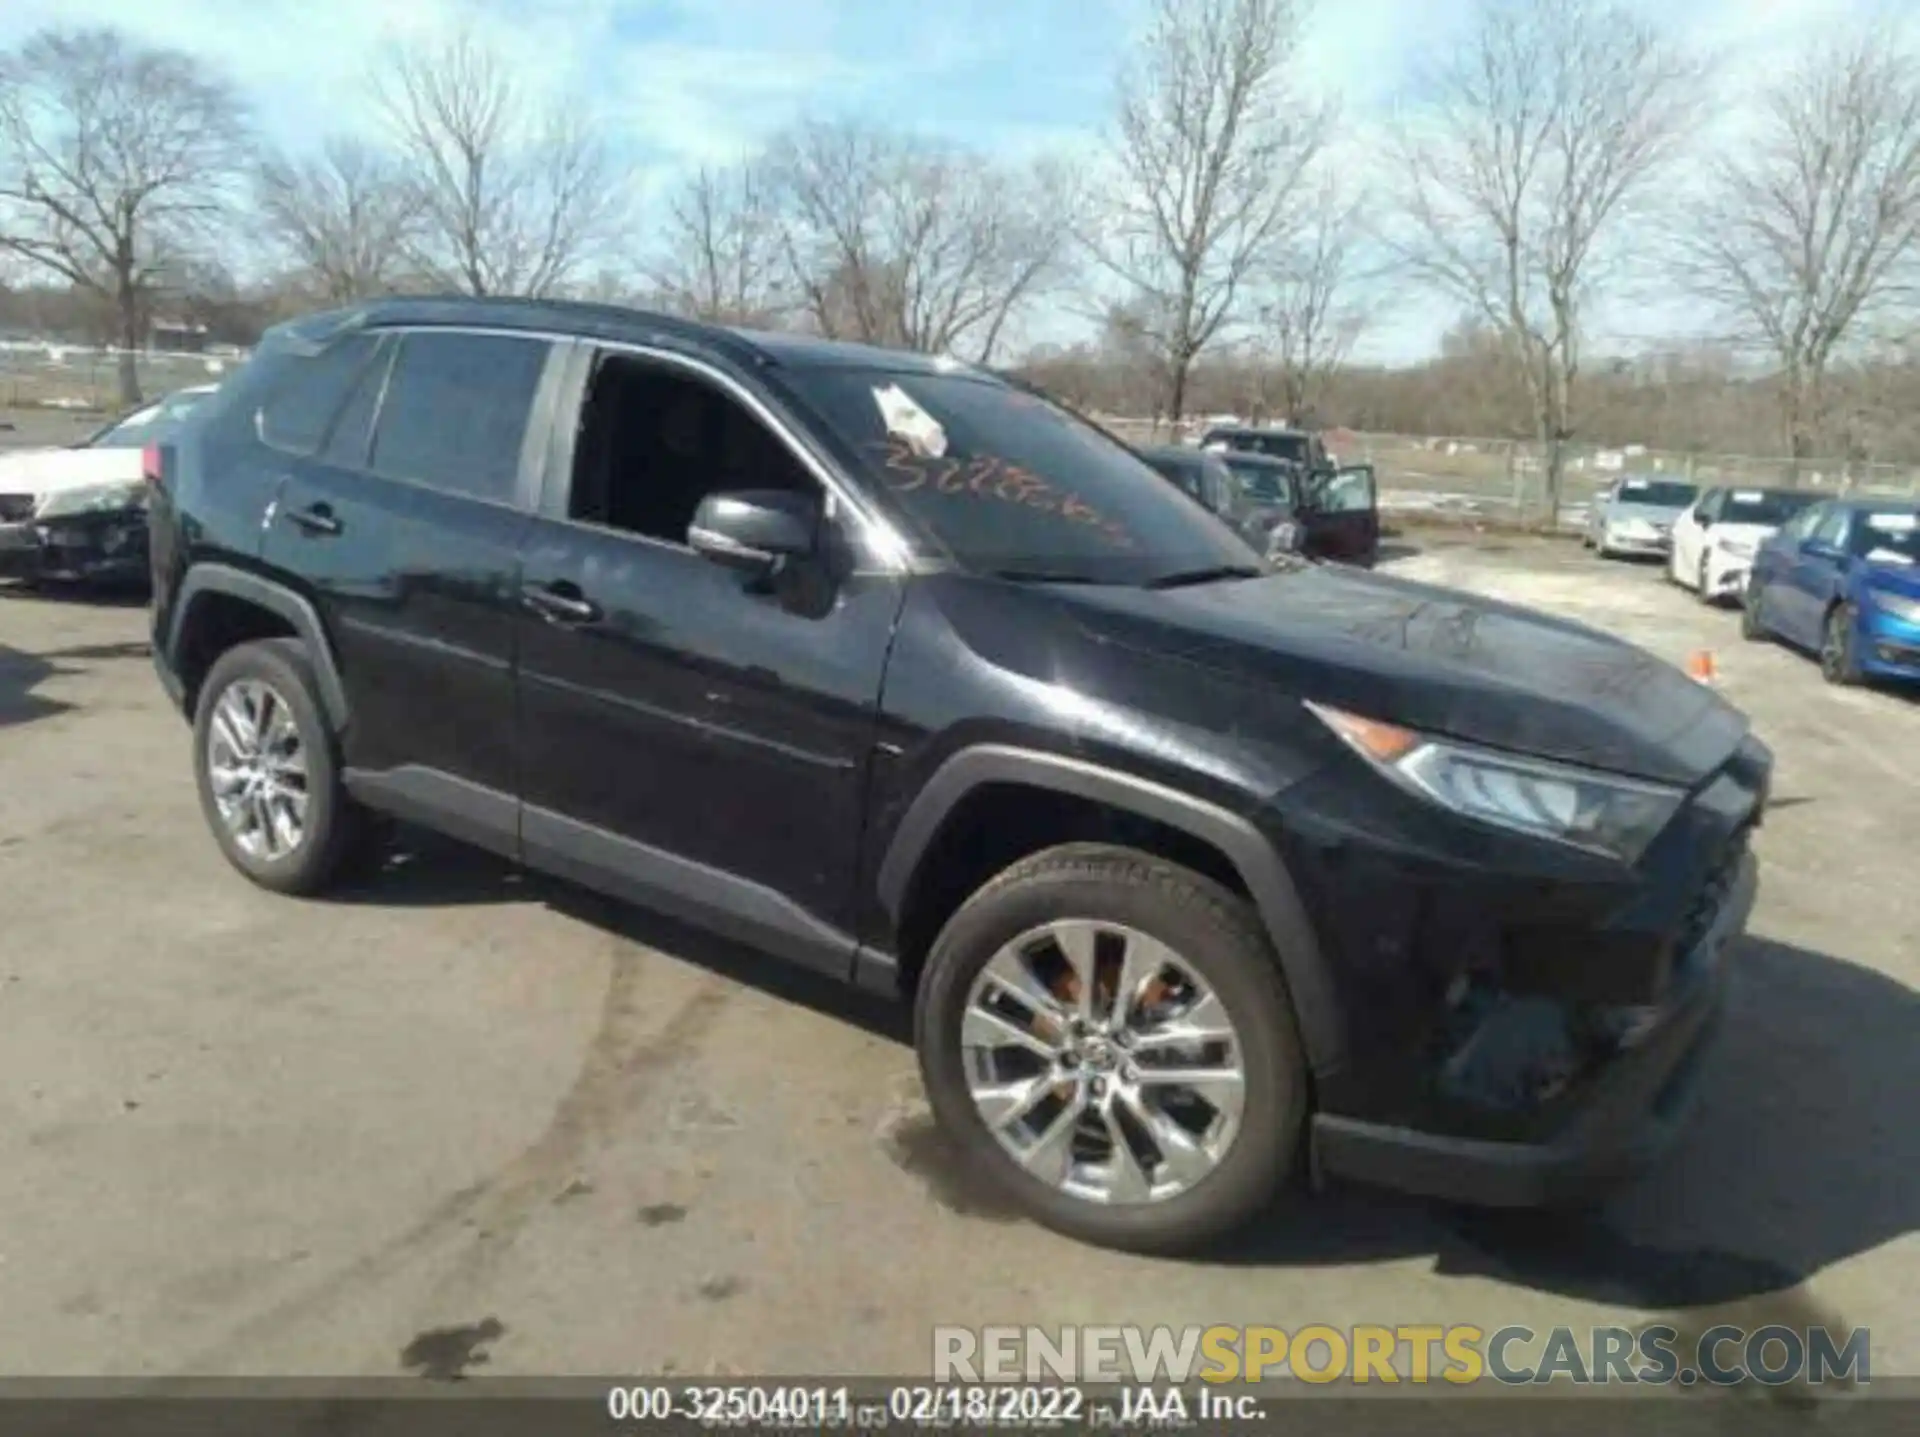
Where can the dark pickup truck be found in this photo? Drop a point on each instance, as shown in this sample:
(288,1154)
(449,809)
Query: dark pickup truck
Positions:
(1199,869)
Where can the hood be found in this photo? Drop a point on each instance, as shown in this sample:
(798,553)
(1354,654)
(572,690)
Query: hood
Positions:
(1434,659)
(1742,533)
(50,471)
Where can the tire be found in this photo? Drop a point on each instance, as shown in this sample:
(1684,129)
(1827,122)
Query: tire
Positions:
(1839,663)
(1750,626)
(1700,586)
(1211,932)
(334,826)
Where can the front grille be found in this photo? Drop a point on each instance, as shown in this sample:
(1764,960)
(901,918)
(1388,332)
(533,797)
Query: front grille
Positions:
(15,508)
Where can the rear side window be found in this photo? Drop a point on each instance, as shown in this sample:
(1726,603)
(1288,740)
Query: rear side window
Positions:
(456,409)
(352,431)
(310,391)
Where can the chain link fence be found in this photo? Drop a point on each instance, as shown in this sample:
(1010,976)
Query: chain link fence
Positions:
(61,377)
(1506,479)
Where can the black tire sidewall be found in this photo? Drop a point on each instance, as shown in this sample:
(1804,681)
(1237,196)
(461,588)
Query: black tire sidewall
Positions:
(1750,625)
(282,665)
(1845,671)
(1236,963)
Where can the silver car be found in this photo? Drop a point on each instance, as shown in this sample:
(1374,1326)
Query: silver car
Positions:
(1636,514)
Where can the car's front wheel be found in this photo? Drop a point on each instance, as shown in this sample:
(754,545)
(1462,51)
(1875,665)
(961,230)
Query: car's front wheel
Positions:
(1751,626)
(1839,662)
(1701,582)
(1107,1036)
(268,771)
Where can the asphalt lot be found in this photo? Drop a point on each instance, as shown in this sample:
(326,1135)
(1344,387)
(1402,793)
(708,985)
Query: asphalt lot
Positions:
(460,1117)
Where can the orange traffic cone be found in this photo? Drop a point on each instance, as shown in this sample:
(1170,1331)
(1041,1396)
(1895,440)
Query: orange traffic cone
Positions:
(1700,667)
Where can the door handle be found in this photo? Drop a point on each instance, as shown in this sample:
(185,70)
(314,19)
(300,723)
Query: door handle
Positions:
(315,519)
(561,604)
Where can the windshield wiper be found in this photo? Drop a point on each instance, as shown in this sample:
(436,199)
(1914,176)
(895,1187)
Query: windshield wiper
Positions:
(1188,577)
(1045,576)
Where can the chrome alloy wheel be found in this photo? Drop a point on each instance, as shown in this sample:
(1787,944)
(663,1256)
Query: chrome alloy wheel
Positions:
(258,769)
(1102,1062)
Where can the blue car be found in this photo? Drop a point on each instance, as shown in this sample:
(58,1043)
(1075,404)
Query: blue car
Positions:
(1843,579)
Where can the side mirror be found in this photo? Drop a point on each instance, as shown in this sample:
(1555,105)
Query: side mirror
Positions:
(754,529)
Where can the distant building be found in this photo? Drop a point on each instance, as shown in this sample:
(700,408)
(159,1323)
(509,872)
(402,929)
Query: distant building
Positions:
(178,336)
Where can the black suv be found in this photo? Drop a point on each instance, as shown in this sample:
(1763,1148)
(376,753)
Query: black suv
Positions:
(1199,869)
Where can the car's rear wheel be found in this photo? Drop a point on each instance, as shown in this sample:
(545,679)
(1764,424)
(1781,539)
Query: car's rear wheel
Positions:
(1106,1035)
(1839,662)
(268,769)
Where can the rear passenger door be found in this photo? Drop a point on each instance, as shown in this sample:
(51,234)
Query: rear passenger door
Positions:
(405,525)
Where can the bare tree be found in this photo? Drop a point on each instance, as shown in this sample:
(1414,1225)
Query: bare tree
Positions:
(1812,231)
(891,239)
(514,195)
(1211,142)
(722,258)
(344,215)
(112,154)
(1542,132)
(1312,317)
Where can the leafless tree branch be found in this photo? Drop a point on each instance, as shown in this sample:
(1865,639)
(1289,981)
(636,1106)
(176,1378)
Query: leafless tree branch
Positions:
(1811,234)
(1312,316)
(112,153)
(1210,144)
(1543,131)
(512,195)
(891,239)
(344,216)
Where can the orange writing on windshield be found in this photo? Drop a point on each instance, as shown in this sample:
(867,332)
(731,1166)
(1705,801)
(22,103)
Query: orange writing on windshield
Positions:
(988,477)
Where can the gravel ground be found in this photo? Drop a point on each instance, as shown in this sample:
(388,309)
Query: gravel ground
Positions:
(461,1116)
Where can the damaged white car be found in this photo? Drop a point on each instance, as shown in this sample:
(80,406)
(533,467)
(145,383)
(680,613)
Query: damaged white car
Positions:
(79,514)
(1714,541)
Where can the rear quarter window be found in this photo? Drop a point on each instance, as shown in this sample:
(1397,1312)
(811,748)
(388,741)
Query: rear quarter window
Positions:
(307,392)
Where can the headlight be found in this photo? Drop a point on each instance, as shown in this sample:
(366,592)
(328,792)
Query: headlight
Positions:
(1599,812)
(1737,548)
(1907,610)
(93,499)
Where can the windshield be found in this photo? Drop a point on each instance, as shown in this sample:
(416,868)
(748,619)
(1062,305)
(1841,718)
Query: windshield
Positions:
(1890,536)
(1261,483)
(150,425)
(1763,506)
(1004,482)
(1659,493)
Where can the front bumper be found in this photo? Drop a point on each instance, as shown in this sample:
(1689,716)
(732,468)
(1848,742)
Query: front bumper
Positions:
(1631,1113)
(103,548)
(1727,574)
(1616,541)
(1888,647)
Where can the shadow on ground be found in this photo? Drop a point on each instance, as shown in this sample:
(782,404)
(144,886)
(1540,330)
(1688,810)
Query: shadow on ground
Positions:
(20,674)
(1801,1153)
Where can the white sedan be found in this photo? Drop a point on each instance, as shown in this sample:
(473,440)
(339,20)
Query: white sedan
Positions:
(1715,540)
(80,513)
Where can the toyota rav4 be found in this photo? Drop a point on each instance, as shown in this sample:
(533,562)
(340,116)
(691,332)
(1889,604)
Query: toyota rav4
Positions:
(1199,869)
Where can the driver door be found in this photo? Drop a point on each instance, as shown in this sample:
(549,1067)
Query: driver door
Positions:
(694,737)
(1340,515)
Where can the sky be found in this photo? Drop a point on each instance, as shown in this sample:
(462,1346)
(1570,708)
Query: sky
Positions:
(684,82)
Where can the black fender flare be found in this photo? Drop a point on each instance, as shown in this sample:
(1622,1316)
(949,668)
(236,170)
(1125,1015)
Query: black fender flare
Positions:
(276,599)
(1260,866)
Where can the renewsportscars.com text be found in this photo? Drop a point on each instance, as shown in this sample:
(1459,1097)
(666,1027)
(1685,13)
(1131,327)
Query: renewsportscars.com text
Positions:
(1460,1354)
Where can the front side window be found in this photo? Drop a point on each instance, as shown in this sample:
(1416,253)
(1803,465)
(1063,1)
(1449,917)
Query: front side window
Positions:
(1833,528)
(456,410)
(1002,481)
